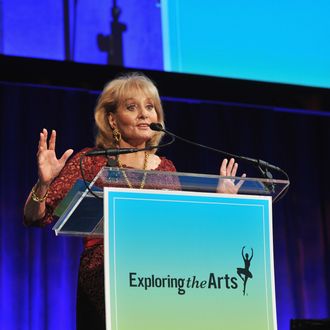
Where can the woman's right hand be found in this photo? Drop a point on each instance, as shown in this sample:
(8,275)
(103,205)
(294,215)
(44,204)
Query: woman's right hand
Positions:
(49,166)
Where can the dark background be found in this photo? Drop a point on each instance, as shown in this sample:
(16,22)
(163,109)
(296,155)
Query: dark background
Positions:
(286,125)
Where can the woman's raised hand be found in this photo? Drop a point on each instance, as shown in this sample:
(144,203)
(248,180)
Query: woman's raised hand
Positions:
(228,186)
(48,165)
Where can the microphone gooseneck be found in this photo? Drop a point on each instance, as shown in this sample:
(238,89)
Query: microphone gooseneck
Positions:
(120,151)
(261,164)
(112,151)
(116,152)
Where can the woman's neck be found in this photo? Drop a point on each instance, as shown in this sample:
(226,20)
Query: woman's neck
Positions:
(135,160)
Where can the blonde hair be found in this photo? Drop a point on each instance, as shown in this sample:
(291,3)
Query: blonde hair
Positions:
(114,93)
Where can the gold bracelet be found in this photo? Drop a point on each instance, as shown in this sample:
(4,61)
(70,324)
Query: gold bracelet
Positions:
(35,197)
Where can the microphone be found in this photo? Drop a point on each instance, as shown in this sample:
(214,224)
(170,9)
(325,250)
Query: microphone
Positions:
(158,127)
(261,164)
(113,152)
(119,151)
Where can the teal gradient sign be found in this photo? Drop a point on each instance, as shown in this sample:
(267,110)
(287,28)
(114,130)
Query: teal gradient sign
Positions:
(178,260)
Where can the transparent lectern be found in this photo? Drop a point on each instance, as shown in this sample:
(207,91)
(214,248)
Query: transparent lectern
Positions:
(177,254)
(81,212)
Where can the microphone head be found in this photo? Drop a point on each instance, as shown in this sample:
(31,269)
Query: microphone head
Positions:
(156,127)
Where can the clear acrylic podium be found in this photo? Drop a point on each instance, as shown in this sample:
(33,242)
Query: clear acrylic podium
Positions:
(81,212)
(188,245)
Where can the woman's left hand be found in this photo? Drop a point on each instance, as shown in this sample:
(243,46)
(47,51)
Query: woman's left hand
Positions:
(228,186)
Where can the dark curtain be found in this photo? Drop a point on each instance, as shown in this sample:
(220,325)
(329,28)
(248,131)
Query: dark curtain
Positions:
(39,271)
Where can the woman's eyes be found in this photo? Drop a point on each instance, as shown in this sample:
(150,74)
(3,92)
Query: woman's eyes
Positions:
(134,106)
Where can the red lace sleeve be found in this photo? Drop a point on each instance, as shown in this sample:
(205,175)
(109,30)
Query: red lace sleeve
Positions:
(66,179)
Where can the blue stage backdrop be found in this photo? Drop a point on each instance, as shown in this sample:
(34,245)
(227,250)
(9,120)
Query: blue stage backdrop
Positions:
(284,41)
(39,271)
(79,30)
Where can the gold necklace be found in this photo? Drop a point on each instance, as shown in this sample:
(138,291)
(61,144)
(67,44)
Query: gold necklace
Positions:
(146,157)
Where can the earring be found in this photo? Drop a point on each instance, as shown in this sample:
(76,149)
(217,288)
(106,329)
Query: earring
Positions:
(116,135)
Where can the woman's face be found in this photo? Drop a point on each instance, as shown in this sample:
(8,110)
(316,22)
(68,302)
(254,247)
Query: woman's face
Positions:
(133,118)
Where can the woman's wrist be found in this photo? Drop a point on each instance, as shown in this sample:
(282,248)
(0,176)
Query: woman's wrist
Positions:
(39,192)
(42,185)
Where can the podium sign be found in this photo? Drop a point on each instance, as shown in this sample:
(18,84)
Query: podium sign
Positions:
(186,261)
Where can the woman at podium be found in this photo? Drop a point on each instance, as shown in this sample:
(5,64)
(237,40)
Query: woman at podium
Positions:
(124,111)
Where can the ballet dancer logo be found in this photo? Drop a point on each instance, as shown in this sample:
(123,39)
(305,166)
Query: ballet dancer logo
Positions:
(244,273)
